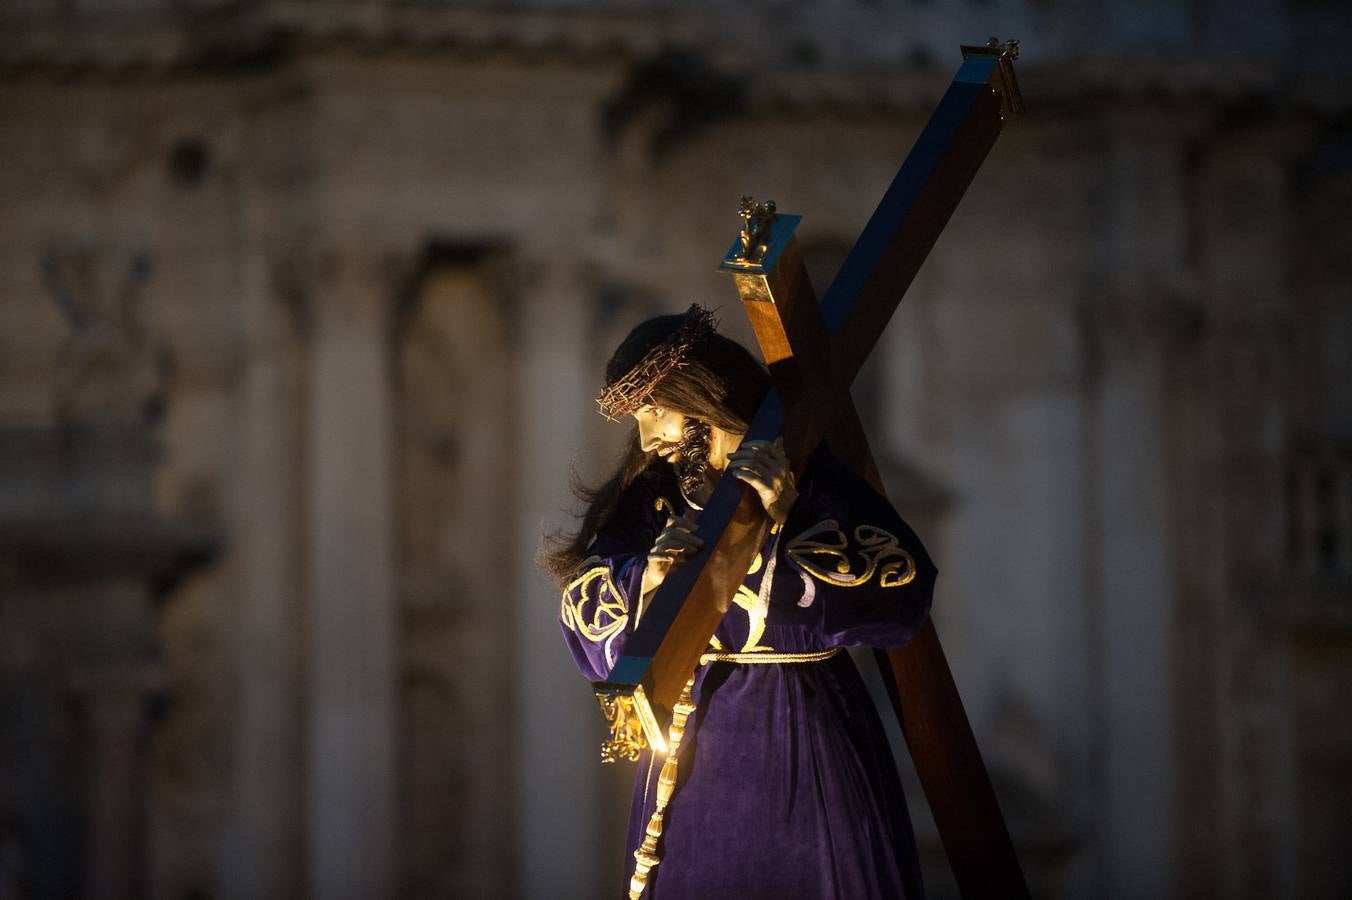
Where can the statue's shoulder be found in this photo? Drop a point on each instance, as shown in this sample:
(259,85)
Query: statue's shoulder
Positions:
(827,474)
(831,489)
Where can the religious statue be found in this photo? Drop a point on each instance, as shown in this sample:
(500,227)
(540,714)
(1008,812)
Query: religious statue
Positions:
(780,781)
(745,540)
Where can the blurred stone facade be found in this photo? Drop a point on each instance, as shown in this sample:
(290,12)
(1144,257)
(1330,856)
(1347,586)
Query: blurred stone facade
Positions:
(302,307)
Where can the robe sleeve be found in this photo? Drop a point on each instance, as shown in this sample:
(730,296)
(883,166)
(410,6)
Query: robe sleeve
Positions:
(866,578)
(594,611)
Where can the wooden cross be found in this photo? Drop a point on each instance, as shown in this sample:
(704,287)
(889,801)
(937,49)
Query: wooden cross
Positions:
(814,351)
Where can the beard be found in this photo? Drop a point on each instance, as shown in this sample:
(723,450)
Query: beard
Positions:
(692,460)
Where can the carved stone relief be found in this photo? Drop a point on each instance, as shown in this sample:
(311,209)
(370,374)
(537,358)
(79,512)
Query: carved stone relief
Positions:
(110,370)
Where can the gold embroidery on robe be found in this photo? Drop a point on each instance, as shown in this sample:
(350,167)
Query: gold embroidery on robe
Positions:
(757,607)
(609,603)
(823,551)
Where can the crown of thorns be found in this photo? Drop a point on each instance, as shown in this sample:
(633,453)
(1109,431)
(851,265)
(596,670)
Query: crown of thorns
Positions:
(635,387)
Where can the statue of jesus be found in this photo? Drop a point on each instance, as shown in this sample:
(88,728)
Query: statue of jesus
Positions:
(786,786)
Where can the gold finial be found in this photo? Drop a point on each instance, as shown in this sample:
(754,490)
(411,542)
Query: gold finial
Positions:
(1010,48)
(756,218)
(1001,78)
(646,857)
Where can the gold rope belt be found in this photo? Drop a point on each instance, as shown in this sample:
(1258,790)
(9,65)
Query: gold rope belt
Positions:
(769,657)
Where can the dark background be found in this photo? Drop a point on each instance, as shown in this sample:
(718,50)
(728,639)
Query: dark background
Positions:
(303,306)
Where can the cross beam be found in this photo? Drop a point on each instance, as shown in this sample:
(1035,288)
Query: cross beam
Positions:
(813,352)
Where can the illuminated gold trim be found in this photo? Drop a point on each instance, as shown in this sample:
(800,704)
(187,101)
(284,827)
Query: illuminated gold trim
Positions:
(756,611)
(648,721)
(633,726)
(645,857)
(767,658)
(626,741)
(609,602)
(879,551)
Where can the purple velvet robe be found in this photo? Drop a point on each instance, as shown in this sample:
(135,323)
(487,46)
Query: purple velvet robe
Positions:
(786,788)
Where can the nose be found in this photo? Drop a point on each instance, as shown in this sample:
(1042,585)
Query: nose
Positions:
(647,436)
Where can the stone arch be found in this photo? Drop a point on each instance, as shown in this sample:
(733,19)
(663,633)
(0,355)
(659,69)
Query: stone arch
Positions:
(455,437)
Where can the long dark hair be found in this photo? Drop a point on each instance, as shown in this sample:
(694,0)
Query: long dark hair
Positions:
(720,383)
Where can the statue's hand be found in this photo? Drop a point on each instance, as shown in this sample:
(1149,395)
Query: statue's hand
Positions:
(763,465)
(676,541)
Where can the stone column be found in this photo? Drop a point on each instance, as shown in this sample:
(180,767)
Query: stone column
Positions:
(264,846)
(560,726)
(1133,639)
(1243,184)
(1132,591)
(117,699)
(352,614)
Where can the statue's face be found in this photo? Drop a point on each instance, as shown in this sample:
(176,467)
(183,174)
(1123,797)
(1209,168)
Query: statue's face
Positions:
(660,430)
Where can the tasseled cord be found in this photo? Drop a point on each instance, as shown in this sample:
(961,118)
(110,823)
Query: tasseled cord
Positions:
(645,857)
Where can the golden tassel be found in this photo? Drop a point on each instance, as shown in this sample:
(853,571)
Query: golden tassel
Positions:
(645,857)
